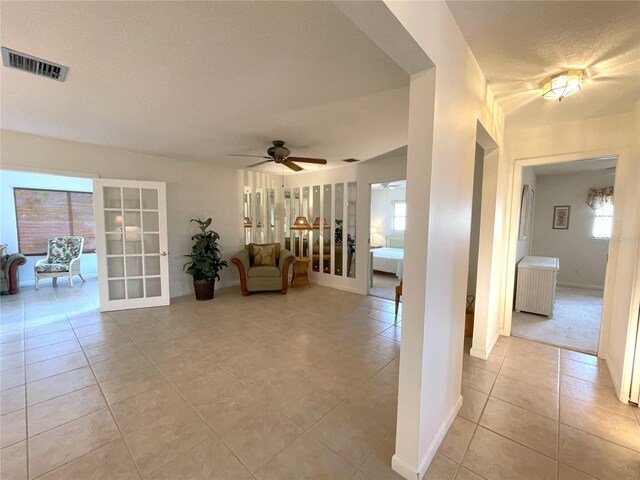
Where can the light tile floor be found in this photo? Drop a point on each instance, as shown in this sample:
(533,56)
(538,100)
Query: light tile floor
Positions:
(278,387)
(533,411)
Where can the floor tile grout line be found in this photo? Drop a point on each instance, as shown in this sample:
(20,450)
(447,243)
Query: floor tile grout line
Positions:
(26,421)
(306,430)
(580,399)
(27,407)
(113,418)
(522,408)
(212,431)
(517,442)
(175,459)
(558,425)
(343,401)
(77,458)
(310,433)
(591,434)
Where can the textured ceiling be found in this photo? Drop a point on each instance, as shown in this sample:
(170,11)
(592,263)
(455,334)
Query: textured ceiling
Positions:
(519,43)
(200,80)
(589,165)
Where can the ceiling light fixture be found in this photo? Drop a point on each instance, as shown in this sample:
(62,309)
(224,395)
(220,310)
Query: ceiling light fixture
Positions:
(561,85)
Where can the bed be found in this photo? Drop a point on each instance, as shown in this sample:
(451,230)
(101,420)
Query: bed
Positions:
(389,259)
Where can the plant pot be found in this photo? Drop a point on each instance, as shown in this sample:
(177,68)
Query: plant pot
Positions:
(203,290)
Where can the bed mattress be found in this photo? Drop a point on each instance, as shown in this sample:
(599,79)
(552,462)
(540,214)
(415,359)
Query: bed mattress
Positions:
(388,260)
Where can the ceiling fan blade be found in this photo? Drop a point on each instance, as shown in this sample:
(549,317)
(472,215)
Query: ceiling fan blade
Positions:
(254,156)
(259,163)
(319,161)
(292,166)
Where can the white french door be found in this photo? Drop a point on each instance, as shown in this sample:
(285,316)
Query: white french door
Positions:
(131,243)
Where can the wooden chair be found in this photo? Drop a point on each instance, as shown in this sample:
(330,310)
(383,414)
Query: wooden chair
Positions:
(398,295)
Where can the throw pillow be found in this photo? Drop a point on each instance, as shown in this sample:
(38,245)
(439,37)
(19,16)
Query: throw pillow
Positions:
(264,255)
(252,253)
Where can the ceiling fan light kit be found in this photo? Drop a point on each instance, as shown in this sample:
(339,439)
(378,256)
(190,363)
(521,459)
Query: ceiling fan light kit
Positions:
(279,154)
(561,85)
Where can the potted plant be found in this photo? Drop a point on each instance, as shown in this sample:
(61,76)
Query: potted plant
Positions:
(206,260)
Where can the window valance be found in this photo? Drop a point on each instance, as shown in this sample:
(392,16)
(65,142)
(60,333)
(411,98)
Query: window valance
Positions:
(599,197)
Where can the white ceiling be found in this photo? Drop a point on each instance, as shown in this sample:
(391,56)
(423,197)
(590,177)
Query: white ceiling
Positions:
(200,80)
(579,166)
(519,43)
(389,185)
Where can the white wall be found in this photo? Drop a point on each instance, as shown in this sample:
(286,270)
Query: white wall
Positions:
(365,173)
(193,190)
(8,227)
(524,245)
(382,200)
(583,259)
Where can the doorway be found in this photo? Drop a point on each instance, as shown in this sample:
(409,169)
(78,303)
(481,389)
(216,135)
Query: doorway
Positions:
(113,254)
(566,215)
(36,207)
(386,248)
(474,244)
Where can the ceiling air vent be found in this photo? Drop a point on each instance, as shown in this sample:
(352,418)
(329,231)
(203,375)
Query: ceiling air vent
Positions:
(350,160)
(35,65)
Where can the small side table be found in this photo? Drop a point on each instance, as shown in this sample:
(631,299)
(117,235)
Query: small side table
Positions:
(300,272)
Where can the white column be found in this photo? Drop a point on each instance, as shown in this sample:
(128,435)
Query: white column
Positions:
(428,398)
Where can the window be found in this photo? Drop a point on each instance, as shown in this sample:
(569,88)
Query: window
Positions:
(399,216)
(44,214)
(602,221)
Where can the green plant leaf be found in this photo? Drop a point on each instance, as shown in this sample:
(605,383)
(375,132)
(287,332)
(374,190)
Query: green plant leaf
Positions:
(206,254)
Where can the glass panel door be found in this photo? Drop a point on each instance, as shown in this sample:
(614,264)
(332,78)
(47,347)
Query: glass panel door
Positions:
(131,244)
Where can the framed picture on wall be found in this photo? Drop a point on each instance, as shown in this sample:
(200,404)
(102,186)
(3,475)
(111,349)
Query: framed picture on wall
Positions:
(561,217)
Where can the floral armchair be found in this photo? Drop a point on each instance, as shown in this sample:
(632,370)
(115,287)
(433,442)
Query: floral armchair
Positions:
(63,260)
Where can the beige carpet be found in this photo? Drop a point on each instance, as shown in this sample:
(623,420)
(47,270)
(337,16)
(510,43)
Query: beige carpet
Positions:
(384,285)
(575,323)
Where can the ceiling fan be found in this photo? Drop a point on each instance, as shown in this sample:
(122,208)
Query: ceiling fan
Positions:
(280,155)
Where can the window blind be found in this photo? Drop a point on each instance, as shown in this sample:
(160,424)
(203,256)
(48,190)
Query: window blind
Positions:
(44,214)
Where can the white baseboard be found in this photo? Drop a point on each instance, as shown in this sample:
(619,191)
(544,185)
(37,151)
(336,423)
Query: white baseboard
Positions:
(344,288)
(231,283)
(410,473)
(479,353)
(484,354)
(581,285)
(616,381)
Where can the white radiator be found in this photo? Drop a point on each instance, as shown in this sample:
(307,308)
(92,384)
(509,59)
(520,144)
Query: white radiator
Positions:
(536,285)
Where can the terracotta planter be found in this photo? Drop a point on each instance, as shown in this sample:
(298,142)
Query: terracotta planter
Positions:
(203,290)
